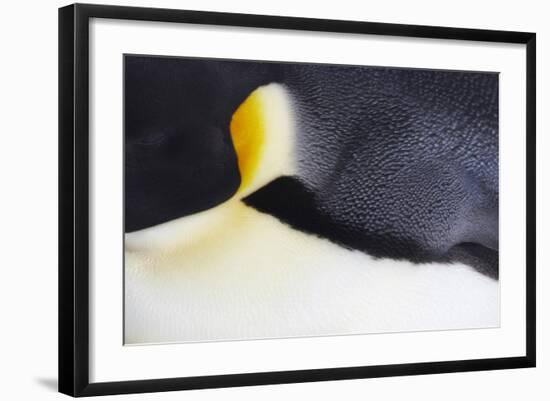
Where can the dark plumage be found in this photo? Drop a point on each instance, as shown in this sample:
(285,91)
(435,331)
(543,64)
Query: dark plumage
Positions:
(402,163)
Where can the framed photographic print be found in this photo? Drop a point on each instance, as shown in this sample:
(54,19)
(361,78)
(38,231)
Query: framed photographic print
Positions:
(251,199)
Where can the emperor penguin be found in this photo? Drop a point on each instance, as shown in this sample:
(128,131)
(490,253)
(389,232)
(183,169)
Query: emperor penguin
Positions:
(270,200)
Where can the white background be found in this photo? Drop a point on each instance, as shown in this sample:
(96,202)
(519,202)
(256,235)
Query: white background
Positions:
(28,166)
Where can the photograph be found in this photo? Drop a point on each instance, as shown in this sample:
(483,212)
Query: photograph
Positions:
(250,198)
(271,199)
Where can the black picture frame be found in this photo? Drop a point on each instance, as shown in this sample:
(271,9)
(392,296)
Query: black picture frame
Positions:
(74,199)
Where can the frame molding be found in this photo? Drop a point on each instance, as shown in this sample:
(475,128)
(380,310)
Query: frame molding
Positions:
(74,197)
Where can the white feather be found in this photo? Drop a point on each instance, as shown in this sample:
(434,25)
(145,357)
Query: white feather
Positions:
(254,277)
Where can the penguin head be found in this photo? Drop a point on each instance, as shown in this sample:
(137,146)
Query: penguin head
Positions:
(262,135)
(180,152)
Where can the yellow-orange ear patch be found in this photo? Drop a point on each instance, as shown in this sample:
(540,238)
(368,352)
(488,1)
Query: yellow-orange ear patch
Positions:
(263,135)
(247,129)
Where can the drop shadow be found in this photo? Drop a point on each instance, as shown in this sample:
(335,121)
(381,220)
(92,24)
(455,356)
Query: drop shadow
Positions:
(49,383)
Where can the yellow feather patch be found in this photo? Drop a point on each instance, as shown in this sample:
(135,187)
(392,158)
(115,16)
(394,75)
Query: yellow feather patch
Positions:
(247,129)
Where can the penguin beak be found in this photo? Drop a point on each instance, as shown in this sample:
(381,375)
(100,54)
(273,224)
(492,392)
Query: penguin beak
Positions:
(263,135)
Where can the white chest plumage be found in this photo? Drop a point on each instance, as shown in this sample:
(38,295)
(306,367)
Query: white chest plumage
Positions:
(250,276)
